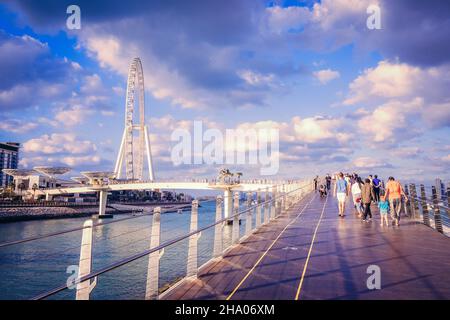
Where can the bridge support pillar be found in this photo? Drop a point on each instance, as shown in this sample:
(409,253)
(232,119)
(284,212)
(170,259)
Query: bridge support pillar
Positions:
(227,203)
(152,286)
(266,206)
(273,209)
(258,210)
(84,288)
(218,232)
(248,216)
(103,195)
(235,230)
(192,263)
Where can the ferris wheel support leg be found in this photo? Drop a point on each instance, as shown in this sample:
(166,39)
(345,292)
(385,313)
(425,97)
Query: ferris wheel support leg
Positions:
(118,168)
(149,155)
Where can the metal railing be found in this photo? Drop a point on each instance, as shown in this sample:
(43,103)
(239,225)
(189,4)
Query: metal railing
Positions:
(277,200)
(432,211)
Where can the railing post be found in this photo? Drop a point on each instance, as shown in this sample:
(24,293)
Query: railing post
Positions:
(192,263)
(437,211)
(279,200)
(152,287)
(266,206)
(84,268)
(248,219)
(218,234)
(424,204)
(407,208)
(273,209)
(414,202)
(448,201)
(235,230)
(258,210)
(439,188)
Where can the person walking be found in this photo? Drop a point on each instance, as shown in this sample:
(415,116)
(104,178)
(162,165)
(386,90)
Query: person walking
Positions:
(376,188)
(394,193)
(356,193)
(341,191)
(316,181)
(328,179)
(367,197)
(383,205)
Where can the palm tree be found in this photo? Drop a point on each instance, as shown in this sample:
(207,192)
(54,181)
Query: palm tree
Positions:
(34,187)
(12,186)
(239,175)
(22,187)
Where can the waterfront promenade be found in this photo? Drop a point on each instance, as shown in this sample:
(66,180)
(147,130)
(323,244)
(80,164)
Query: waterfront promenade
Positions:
(311,253)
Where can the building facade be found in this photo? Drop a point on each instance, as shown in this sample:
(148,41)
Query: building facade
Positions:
(9,159)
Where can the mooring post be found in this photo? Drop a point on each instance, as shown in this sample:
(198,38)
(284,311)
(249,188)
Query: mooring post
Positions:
(152,287)
(84,267)
(235,230)
(273,209)
(192,263)
(436,211)
(424,205)
(248,216)
(218,232)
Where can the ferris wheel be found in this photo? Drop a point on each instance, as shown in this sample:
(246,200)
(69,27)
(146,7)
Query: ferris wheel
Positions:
(135,145)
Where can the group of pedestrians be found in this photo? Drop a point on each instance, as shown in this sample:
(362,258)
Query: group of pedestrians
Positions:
(370,190)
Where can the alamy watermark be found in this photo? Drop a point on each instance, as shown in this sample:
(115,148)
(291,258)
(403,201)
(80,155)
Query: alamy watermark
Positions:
(373,22)
(73,21)
(73,280)
(374,280)
(237,147)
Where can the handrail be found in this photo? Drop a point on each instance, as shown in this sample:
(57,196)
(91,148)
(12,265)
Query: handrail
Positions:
(156,249)
(57,233)
(10,243)
(428,201)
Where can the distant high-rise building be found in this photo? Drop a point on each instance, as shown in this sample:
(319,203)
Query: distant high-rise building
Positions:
(9,159)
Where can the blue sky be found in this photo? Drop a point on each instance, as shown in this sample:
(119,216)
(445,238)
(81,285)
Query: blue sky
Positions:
(343,97)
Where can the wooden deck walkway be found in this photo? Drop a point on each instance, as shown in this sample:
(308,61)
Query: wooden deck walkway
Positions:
(311,253)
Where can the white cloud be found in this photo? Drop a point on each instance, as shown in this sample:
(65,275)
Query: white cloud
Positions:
(326,75)
(370,163)
(392,121)
(394,80)
(59,143)
(17,126)
(73,116)
(283,19)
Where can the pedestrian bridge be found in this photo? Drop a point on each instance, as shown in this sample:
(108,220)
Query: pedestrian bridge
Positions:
(285,244)
(311,253)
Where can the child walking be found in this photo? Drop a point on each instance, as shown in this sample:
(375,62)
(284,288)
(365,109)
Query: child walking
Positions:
(383,205)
